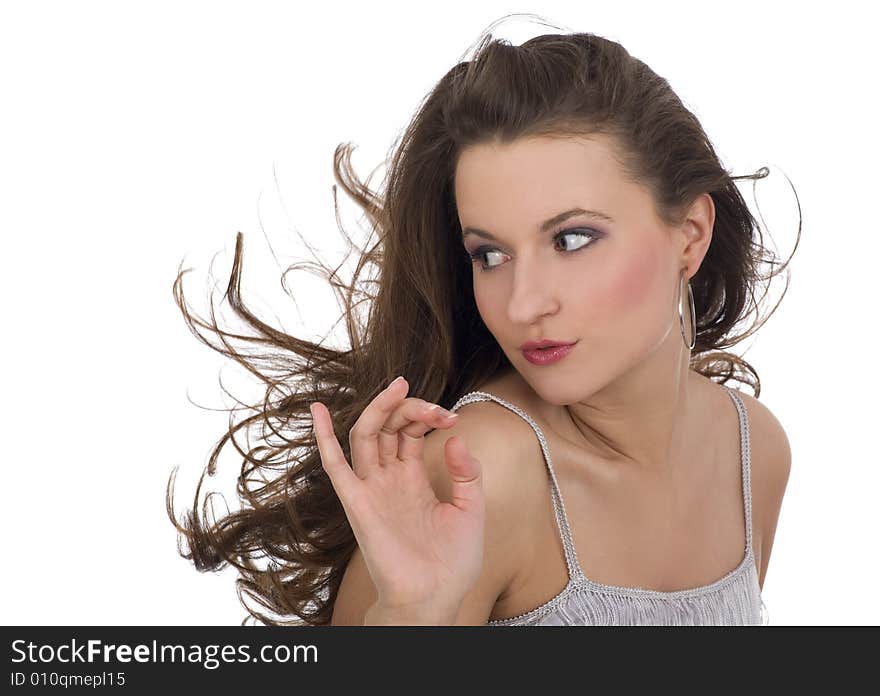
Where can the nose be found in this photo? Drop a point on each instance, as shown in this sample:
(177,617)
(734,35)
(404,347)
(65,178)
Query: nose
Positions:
(533,294)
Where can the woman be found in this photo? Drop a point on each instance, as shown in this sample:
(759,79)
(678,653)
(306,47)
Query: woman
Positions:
(554,191)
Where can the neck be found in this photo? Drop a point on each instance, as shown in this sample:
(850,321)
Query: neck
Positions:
(643,420)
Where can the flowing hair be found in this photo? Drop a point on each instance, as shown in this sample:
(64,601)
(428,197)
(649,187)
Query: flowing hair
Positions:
(291,540)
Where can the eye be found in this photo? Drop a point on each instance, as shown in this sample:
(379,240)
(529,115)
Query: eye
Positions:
(582,234)
(484,251)
(586,238)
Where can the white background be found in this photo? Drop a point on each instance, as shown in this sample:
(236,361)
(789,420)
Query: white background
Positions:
(138,136)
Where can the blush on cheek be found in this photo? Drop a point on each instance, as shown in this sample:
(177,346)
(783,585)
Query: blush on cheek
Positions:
(633,285)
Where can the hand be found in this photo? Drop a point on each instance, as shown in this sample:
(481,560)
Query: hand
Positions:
(422,554)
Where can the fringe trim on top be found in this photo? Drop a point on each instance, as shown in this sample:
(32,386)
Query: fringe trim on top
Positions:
(735,602)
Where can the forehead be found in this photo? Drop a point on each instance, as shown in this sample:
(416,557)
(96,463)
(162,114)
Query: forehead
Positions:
(540,174)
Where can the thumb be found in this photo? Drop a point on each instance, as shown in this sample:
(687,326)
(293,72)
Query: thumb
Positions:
(466,474)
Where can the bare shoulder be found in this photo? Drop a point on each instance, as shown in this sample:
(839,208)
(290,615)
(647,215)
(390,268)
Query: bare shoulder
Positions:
(505,446)
(511,464)
(769,438)
(495,437)
(770,470)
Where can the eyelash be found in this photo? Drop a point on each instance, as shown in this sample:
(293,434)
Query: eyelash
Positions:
(475,256)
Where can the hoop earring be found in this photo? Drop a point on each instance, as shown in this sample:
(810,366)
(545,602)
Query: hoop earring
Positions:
(693,317)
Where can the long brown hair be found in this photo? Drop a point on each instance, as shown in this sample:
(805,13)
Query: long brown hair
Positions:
(291,541)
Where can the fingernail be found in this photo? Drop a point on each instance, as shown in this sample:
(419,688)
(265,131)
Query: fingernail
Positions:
(396,380)
(442,411)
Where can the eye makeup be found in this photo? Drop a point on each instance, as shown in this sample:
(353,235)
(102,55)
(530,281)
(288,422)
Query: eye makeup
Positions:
(585,233)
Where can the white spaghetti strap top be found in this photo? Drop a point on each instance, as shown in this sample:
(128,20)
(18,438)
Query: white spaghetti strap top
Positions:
(734,599)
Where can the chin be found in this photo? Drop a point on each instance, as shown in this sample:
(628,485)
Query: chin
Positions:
(558,390)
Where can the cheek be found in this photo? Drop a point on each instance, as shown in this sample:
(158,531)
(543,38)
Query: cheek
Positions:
(488,307)
(632,287)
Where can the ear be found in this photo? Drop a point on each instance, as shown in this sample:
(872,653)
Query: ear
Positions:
(696,232)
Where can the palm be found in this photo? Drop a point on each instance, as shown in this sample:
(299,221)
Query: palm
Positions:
(420,552)
(416,547)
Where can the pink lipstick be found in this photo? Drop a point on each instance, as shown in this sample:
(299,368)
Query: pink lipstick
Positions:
(546,352)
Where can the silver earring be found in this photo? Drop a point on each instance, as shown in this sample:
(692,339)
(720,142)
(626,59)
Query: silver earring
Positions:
(693,316)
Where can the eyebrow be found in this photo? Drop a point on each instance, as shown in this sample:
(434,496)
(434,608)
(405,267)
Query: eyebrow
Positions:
(546,225)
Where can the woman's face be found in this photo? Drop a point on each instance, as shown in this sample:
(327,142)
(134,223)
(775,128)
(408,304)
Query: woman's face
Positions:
(609,280)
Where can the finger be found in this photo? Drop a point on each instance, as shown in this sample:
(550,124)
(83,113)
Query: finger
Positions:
(403,435)
(363,438)
(467,477)
(332,456)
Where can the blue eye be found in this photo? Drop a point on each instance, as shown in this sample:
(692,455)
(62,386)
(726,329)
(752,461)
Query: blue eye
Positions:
(582,233)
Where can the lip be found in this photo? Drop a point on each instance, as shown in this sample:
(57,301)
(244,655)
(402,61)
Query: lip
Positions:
(546,356)
(544,343)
